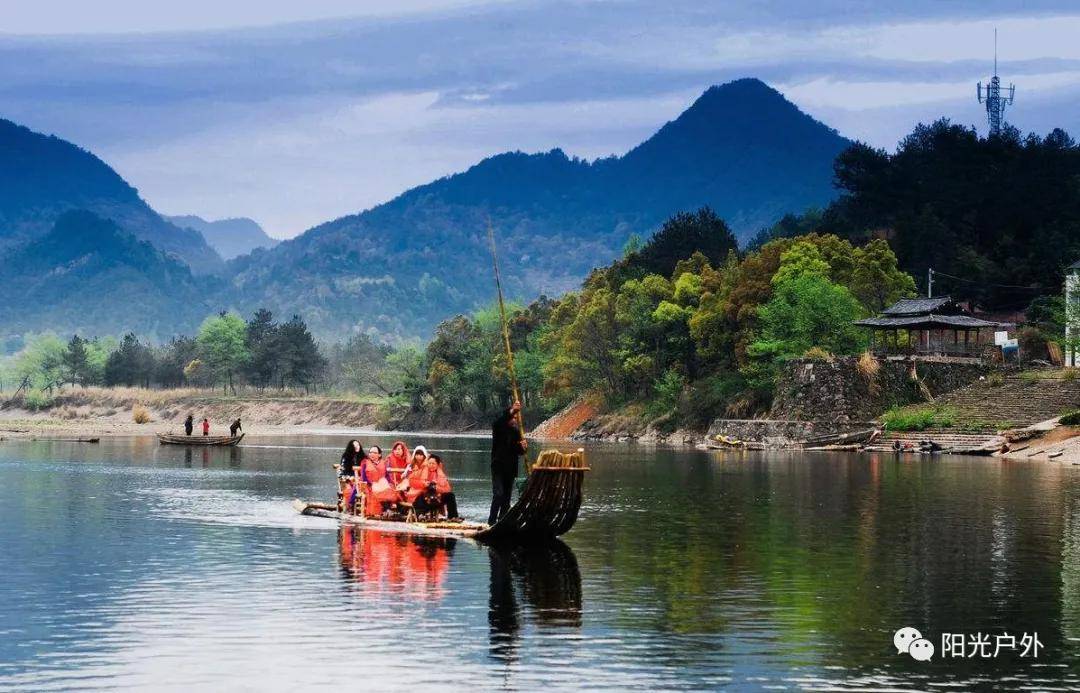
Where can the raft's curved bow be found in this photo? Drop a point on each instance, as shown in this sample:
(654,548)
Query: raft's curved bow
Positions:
(549,504)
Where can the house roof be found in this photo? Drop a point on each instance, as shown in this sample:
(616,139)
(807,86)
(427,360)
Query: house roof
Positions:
(929,321)
(917,306)
(1075,265)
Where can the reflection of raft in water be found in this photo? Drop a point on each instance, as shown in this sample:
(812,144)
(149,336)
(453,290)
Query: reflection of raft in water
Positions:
(547,507)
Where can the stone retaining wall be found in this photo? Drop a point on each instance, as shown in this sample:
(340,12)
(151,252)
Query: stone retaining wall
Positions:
(835,392)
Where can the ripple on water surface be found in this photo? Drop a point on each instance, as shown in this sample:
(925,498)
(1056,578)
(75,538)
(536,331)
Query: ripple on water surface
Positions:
(142,567)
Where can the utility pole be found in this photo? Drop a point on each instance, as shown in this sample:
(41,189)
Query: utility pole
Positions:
(929,282)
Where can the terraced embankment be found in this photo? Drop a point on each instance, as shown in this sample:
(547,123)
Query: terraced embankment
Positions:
(977,413)
(1021,400)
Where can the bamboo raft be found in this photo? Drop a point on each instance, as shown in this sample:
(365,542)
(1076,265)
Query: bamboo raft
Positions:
(547,507)
(180,439)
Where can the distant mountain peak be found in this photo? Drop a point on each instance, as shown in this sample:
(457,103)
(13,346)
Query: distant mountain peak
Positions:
(230,237)
(741,148)
(743,113)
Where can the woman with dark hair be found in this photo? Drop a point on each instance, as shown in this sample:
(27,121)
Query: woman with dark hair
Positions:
(346,470)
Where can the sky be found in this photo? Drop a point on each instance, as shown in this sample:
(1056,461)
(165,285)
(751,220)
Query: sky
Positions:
(297,113)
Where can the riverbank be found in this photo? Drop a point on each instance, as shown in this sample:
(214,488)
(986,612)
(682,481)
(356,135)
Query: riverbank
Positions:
(1048,441)
(95,412)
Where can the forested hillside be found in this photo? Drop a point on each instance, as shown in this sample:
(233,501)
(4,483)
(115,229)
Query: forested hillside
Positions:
(88,276)
(41,177)
(998,218)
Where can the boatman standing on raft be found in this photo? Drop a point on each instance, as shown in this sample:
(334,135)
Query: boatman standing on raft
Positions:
(507,445)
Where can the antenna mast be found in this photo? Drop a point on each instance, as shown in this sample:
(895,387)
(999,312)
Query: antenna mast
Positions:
(993,98)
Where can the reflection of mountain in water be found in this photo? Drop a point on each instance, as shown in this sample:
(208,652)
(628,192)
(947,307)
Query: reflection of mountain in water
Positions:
(546,577)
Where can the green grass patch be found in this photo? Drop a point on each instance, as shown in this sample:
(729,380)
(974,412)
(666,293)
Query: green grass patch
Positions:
(1071,419)
(919,418)
(36,400)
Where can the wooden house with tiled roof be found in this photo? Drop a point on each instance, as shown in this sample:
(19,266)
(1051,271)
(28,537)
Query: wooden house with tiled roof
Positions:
(929,326)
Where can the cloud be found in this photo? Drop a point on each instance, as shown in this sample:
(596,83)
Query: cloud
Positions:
(297,123)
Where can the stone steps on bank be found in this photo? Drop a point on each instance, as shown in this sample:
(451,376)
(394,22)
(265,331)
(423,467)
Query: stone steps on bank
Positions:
(946,439)
(1017,402)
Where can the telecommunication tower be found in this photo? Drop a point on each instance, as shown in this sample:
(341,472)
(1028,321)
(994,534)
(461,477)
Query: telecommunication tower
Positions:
(993,98)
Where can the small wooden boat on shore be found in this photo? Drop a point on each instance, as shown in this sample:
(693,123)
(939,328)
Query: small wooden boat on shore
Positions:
(70,440)
(547,508)
(180,439)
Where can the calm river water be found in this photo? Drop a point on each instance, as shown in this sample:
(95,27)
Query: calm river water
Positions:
(129,565)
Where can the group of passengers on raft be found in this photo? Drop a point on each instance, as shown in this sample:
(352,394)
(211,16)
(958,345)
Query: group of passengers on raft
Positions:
(375,486)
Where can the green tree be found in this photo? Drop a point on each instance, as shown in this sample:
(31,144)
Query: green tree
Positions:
(172,359)
(301,362)
(76,366)
(222,348)
(132,363)
(262,340)
(877,280)
(361,362)
(585,344)
(806,311)
(405,370)
(40,365)
(97,356)
(682,235)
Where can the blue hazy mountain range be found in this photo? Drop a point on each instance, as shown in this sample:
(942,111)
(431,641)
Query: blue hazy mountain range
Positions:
(229,237)
(41,177)
(400,267)
(87,275)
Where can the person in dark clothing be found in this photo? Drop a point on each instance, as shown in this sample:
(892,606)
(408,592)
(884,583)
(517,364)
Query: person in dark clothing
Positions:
(354,452)
(189,424)
(507,445)
(234,427)
(346,469)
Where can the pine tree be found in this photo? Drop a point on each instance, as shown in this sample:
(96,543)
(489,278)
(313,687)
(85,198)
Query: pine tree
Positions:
(302,363)
(76,366)
(262,341)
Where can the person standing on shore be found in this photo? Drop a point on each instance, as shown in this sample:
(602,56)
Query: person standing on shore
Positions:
(189,424)
(507,445)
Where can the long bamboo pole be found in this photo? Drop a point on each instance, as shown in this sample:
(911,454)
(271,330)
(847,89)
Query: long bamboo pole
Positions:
(506,331)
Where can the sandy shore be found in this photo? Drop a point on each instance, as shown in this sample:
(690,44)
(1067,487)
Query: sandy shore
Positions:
(98,412)
(1054,443)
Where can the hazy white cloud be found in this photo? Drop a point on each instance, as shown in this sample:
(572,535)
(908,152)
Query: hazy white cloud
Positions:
(294,124)
(123,16)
